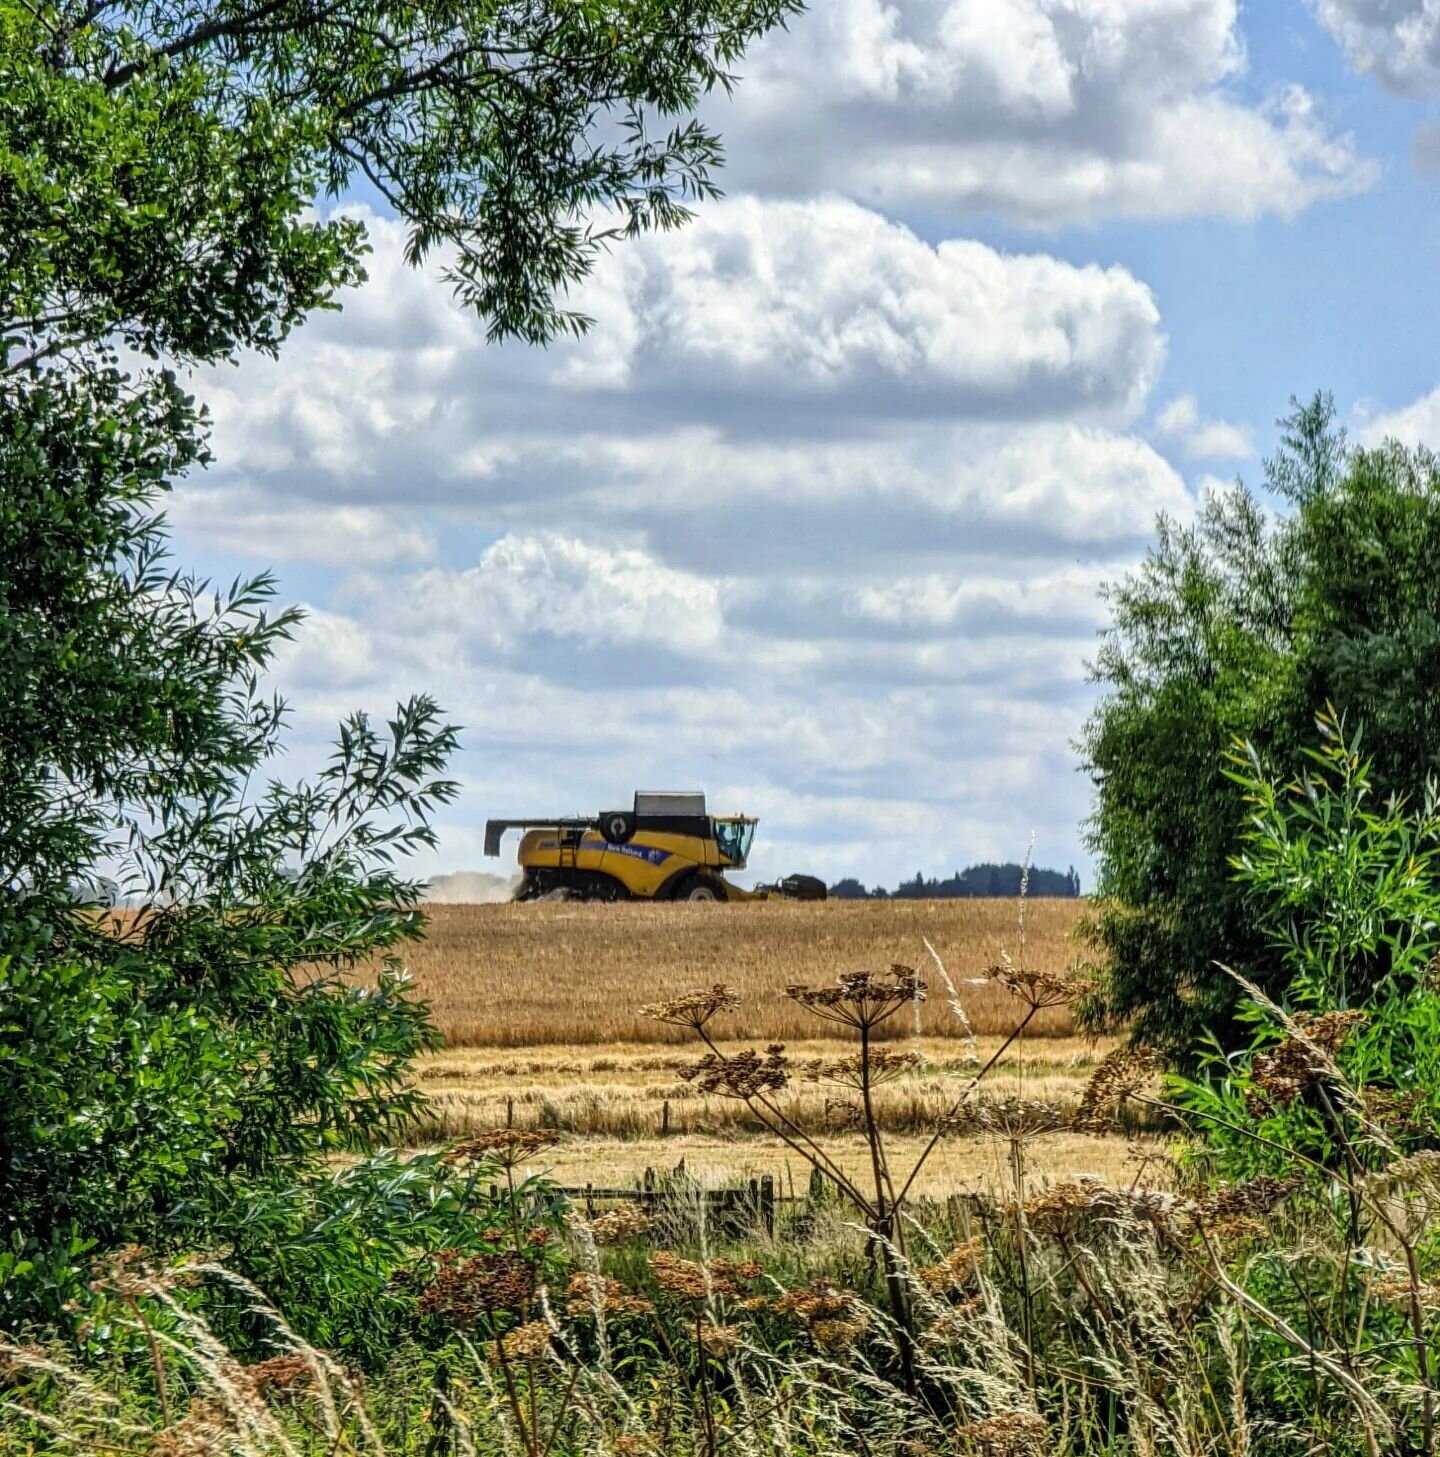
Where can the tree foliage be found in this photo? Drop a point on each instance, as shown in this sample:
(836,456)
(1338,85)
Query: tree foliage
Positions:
(179,1047)
(1241,627)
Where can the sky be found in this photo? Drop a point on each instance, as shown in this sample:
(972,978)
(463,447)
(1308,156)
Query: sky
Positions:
(817,516)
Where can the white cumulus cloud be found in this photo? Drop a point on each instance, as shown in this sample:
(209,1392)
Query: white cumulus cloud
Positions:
(1397,41)
(1041,112)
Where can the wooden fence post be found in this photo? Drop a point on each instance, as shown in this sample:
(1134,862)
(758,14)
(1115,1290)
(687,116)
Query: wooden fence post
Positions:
(767,1202)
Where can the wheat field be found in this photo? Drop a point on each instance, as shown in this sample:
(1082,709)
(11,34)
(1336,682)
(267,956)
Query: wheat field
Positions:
(545,973)
(539,1006)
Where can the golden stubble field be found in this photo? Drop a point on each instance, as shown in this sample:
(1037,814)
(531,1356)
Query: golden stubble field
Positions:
(543,973)
(539,1006)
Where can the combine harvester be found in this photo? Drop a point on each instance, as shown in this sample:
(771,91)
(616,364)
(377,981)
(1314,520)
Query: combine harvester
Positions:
(667,848)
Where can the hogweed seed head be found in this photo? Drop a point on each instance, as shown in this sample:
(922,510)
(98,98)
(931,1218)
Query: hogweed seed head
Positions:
(1039,990)
(862,998)
(850,1072)
(694,1009)
(1005,1434)
(955,1269)
(504,1146)
(744,1075)
(1119,1077)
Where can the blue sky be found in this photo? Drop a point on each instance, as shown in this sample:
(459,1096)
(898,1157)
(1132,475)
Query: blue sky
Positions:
(815,517)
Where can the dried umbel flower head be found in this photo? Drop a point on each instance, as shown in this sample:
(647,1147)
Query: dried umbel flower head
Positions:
(1302,1060)
(1005,1434)
(720,1340)
(287,1372)
(839,1334)
(1062,1208)
(1119,1076)
(1404,1114)
(1039,989)
(680,1277)
(589,1295)
(694,1009)
(745,1075)
(1243,1202)
(465,1289)
(619,1226)
(524,1343)
(850,1072)
(504,1146)
(955,1269)
(862,998)
(822,1300)
(1420,1171)
(1010,1117)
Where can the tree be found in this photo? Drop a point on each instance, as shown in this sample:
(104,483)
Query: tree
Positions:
(175,1072)
(1243,626)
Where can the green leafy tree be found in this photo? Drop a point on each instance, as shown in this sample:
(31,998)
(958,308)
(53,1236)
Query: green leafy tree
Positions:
(1343,885)
(1242,626)
(176,1072)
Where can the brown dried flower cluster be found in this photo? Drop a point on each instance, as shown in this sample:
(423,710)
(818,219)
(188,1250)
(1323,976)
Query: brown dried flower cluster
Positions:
(504,1146)
(693,1281)
(694,1009)
(955,1269)
(1243,1202)
(1299,1062)
(822,1300)
(588,1293)
(465,1289)
(523,1343)
(204,1430)
(720,1340)
(839,1335)
(954,1321)
(680,1277)
(1395,1290)
(1403,1114)
(850,1072)
(862,998)
(745,1075)
(1119,1076)
(1004,1434)
(1039,989)
(279,1373)
(1420,1170)
(1010,1117)
(1064,1207)
(619,1226)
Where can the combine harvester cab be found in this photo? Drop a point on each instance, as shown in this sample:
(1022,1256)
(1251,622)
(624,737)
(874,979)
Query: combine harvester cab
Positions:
(667,847)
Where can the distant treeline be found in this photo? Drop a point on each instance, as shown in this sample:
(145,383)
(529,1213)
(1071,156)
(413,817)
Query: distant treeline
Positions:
(976,880)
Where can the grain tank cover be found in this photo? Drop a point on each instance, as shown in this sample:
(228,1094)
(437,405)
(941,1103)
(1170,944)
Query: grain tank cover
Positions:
(669,802)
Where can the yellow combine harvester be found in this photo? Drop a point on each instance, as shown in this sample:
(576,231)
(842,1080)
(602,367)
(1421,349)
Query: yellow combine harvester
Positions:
(668,847)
